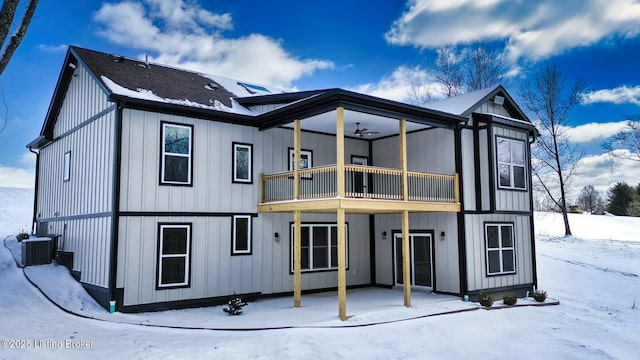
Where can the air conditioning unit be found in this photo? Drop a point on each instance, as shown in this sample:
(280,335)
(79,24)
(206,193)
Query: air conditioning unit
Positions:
(37,251)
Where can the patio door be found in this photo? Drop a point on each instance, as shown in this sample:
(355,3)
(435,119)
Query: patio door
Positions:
(421,259)
(360,181)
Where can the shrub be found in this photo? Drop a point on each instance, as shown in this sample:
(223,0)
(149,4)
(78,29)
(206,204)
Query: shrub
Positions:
(540,295)
(22,236)
(509,299)
(485,300)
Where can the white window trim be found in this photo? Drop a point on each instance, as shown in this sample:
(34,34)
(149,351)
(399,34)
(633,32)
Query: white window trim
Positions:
(66,171)
(511,165)
(188,155)
(500,249)
(187,255)
(249,180)
(234,250)
(310,226)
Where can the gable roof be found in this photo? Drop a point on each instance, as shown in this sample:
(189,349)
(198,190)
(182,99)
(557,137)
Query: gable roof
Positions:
(466,104)
(137,84)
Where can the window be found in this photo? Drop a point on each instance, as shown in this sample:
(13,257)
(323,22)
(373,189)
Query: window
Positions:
(511,165)
(306,161)
(241,235)
(242,163)
(319,247)
(66,176)
(501,256)
(176,154)
(174,255)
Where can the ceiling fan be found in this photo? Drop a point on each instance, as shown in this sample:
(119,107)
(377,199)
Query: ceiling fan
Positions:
(363,132)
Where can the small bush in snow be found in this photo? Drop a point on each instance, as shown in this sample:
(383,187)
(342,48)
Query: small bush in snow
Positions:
(509,299)
(485,300)
(234,306)
(540,295)
(22,236)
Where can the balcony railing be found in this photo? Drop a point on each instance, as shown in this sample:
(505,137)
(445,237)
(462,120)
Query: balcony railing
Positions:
(360,182)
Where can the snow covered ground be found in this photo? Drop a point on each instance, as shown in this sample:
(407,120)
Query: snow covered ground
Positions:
(595,276)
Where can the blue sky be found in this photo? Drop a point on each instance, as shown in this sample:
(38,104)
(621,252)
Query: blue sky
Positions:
(379,49)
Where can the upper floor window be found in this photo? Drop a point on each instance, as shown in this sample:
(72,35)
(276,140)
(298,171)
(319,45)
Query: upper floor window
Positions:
(177,154)
(66,176)
(511,163)
(242,163)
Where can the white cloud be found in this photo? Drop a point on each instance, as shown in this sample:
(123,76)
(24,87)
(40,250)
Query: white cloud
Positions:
(532,30)
(17,177)
(53,48)
(397,86)
(594,131)
(182,33)
(28,158)
(620,95)
(597,170)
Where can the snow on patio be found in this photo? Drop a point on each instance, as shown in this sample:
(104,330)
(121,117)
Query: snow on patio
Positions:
(365,306)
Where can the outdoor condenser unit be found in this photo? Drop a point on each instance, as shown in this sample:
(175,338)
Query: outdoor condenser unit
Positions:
(37,251)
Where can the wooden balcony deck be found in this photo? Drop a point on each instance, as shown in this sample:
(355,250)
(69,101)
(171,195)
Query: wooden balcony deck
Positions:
(367,189)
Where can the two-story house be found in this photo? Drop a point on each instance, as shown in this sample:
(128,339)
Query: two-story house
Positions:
(173,188)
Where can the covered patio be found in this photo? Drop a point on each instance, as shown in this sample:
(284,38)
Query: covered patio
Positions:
(337,188)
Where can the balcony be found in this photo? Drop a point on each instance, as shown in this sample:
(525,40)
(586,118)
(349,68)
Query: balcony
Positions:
(367,189)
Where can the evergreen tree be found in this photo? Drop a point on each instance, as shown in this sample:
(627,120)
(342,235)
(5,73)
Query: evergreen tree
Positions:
(623,200)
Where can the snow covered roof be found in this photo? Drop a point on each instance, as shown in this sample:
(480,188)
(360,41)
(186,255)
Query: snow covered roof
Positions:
(462,104)
(466,104)
(136,79)
(138,84)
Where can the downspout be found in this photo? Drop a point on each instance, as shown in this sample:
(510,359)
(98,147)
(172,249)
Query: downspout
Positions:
(35,192)
(115,203)
(534,267)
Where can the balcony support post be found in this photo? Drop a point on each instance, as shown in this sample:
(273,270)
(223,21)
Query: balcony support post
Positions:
(406,259)
(342,272)
(403,159)
(340,152)
(406,255)
(297,256)
(297,219)
(296,159)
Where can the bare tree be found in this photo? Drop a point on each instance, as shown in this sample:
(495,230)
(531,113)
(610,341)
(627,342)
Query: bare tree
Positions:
(628,138)
(590,200)
(449,71)
(549,99)
(484,68)
(7,14)
(420,94)
(469,70)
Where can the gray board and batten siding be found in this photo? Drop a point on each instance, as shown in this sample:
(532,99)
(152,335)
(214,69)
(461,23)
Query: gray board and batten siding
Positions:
(494,205)
(208,205)
(80,208)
